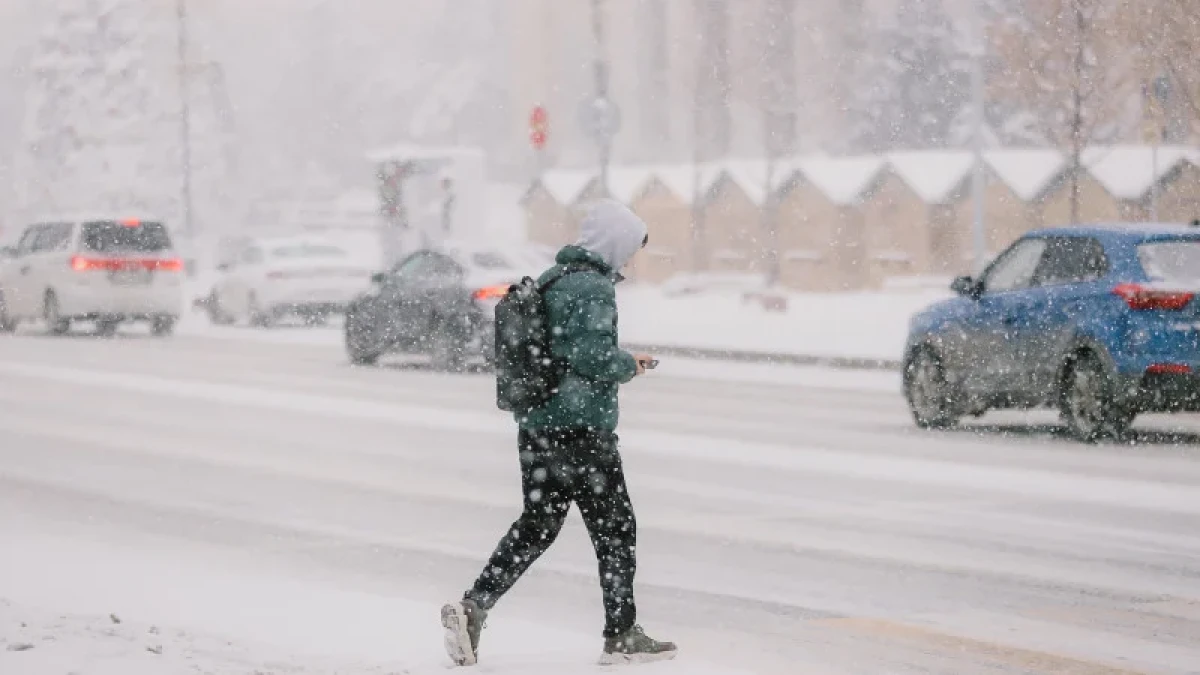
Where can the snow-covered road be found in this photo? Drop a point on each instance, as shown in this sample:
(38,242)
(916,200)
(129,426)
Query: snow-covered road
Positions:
(268,508)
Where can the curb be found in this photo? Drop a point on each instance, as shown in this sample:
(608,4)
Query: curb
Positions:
(844,362)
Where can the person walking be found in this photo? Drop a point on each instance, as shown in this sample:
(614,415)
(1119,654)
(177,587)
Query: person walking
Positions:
(568,445)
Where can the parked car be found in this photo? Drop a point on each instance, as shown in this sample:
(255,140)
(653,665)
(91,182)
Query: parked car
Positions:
(438,303)
(1101,323)
(106,269)
(273,278)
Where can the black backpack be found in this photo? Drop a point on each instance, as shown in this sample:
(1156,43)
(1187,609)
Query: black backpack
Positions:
(527,375)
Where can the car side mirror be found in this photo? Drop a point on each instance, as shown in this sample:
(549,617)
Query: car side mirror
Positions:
(966,287)
(378,278)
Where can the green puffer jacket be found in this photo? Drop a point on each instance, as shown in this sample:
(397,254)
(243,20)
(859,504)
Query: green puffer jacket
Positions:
(582,309)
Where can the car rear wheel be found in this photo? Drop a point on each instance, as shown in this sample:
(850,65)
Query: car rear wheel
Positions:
(261,317)
(447,352)
(56,324)
(360,343)
(107,327)
(930,396)
(7,323)
(1087,402)
(162,326)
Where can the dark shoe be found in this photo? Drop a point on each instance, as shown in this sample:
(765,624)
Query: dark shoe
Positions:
(463,622)
(634,646)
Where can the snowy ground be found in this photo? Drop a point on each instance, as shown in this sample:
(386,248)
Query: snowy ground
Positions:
(268,509)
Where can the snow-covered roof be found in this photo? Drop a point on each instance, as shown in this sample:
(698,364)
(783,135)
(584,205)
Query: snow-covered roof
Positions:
(567,185)
(1028,172)
(842,179)
(678,178)
(935,175)
(627,183)
(750,176)
(1129,171)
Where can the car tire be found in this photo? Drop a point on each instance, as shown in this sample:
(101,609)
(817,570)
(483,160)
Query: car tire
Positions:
(357,348)
(930,397)
(7,323)
(447,351)
(217,315)
(107,327)
(260,317)
(1087,402)
(56,324)
(162,326)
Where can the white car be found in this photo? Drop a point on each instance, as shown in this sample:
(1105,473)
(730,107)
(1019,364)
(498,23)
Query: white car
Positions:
(106,270)
(271,278)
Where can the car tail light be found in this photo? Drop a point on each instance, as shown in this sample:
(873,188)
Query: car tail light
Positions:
(490,293)
(1169,369)
(1141,298)
(84,264)
(81,264)
(167,265)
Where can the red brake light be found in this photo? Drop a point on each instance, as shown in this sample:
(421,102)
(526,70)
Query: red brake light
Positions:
(82,264)
(168,265)
(1169,369)
(1140,298)
(490,293)
(131,222)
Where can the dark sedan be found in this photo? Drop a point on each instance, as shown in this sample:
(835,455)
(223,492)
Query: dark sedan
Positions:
(435,303)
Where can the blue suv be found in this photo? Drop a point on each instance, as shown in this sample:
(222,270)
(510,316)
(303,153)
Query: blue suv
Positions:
(1100,322)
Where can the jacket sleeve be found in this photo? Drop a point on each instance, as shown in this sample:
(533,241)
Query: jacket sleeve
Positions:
(591,336)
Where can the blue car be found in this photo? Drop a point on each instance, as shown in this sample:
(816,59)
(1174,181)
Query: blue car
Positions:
(1099,322)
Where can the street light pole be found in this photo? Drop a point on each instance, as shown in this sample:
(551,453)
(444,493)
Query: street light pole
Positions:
(185,121)
(978,235)
(603,140)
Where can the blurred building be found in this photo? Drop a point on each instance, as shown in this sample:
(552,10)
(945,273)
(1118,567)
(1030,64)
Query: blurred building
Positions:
(690,76)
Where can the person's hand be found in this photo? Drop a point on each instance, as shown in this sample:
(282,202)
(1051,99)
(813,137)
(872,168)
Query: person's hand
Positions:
(642,360)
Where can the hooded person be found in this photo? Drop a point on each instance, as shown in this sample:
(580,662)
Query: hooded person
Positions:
(568,446)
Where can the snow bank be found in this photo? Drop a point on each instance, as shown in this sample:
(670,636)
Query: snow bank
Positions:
(869,325)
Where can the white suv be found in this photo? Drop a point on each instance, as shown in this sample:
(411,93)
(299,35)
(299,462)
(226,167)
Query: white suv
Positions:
(103,270)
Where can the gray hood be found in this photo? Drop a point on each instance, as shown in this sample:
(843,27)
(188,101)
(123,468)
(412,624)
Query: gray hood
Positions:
(612,231)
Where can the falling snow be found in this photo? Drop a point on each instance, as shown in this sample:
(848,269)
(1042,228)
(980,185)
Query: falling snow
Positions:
(746,336)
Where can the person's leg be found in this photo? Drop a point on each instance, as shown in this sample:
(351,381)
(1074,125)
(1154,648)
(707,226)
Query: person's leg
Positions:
(545,509)
(603,500)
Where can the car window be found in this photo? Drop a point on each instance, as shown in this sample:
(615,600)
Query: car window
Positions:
(307,251)
(1171,261)
(426,268)
(1071,260)
(125,236)
(1014,269)
(25,246)
(486,260)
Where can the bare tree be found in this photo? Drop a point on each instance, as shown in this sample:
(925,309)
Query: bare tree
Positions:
(1067,62)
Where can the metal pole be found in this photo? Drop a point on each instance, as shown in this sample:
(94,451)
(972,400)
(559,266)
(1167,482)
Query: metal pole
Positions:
(977,104)
(1154,178)
(185,121)
(604,140)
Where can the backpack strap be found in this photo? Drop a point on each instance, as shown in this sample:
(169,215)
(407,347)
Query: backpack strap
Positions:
(563,272)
